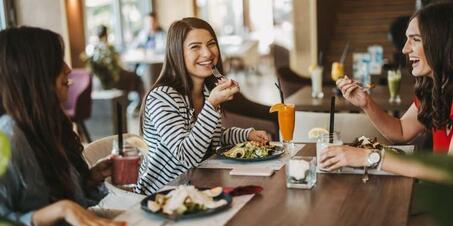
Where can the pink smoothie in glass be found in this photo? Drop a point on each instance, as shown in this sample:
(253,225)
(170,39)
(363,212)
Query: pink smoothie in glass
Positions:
(125,169)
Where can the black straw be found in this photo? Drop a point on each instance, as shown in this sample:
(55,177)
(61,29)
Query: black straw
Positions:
(332,118)
(320,58)
(119,120)
(282,99)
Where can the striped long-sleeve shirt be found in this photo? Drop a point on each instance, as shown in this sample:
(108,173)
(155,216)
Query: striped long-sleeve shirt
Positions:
(177,141)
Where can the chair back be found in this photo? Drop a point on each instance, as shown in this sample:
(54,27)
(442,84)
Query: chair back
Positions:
(290,81)
(350,126)
(102,148)
(280,55)
(242,112)
(78,104)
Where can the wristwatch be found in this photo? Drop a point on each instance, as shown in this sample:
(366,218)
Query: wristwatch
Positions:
(374,158)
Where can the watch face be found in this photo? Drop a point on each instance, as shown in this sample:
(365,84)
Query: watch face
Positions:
(374,158)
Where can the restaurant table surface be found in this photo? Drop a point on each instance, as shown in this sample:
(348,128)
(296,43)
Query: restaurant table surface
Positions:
(304,102)
(335,200)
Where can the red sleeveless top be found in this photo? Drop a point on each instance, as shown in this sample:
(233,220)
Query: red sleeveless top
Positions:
(441,140)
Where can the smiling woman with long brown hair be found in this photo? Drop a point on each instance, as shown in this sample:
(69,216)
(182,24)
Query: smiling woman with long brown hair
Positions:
(429,47)
(47,178)
(180,119)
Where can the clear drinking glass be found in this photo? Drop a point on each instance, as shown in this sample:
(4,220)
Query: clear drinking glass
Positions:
(125,167)
(316,82)
(337,70)
(301,172)
(394,83)
(324,141)
(286,120)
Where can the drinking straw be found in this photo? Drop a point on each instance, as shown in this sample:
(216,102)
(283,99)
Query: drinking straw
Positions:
(119,120)
(277,84)
(332,114)
(320,58)
(345,52)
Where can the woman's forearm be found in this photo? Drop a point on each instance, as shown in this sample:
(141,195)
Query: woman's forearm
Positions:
(410,168)
(49,215)
(389,126)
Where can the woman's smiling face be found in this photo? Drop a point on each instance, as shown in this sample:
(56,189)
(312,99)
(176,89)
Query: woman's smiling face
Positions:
(200,53)
(414,49)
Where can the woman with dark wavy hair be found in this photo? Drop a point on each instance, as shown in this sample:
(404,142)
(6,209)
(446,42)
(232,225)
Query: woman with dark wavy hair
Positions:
(181,121)
(47,180)
(429,47)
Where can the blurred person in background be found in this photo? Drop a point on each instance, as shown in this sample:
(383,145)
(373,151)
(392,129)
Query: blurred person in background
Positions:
(152,36)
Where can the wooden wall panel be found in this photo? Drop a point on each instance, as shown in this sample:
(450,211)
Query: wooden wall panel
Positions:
(75,20)
(362,23)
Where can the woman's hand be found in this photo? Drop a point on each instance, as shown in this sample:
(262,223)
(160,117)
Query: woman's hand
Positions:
(353,92)
(100,171)
(334,157)
(259,136)
(224,91)
(72,213)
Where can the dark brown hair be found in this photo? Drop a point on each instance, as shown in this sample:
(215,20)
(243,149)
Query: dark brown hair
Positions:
(435,94)
(30,61)
(101,31)
(174,72)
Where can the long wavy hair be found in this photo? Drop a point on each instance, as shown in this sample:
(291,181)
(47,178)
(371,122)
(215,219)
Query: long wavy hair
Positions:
(435,94)
(174,72)
(30,61)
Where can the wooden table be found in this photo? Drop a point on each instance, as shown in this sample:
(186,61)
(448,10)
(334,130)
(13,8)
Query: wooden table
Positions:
(304,102)
(335,200)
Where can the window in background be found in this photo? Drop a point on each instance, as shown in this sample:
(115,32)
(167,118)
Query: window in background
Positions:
(124,18)
(261,23)
(2,15)
(283,22)
(225,16)
(99,12)
(133,12)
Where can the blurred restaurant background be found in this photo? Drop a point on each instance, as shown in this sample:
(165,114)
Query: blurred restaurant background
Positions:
(261,41)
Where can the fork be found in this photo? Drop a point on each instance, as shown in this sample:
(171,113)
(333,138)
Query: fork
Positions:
(369,86)
(365,176)
(216,72)
(366,87)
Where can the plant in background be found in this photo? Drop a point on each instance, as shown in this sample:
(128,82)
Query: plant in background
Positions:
(103,62)
(436,198)
(5,153)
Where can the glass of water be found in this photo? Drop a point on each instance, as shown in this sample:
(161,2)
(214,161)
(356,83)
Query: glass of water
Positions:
(325,141)
(301,172)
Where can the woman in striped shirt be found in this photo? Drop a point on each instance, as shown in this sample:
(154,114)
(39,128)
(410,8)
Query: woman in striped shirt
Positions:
(181,121)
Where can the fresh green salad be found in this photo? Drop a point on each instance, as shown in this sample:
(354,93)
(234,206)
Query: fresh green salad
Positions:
(250,150)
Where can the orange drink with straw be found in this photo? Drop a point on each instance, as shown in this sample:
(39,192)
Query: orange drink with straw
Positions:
(337,71)
(286,120)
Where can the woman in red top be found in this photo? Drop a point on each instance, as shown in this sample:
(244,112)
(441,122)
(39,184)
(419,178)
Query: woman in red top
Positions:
(429,47)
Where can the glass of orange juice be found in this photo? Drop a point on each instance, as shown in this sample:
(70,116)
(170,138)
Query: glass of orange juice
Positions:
(286,120)
(337,71)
